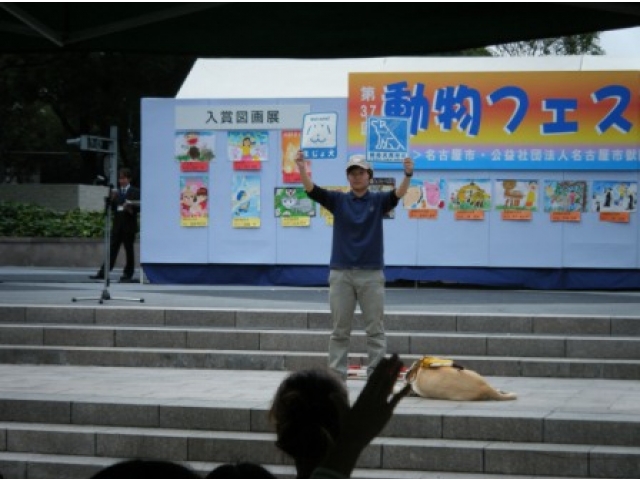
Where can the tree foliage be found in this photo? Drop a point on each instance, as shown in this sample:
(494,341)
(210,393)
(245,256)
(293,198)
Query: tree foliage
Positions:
(47,99)
(585,44)
(469,52)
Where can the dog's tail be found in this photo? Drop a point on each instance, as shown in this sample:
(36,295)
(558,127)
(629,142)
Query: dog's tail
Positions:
(501,395)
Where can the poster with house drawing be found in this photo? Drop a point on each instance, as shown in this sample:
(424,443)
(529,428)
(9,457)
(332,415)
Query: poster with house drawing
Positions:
(516,194)
(469,194)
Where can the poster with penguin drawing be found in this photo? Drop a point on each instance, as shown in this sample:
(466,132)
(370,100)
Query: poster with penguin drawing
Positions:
(245,200)
(608,196)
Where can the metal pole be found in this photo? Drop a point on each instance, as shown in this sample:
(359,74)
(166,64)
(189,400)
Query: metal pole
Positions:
(113,183)
(113,155)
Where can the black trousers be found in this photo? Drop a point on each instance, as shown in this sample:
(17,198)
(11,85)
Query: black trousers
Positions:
(122,235)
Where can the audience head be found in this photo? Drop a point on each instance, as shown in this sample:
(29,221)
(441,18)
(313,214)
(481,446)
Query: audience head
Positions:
(240,470)
(146,469)
(306,415)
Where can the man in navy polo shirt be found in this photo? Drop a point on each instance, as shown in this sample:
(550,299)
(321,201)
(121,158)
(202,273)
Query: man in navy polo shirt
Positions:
(357,256)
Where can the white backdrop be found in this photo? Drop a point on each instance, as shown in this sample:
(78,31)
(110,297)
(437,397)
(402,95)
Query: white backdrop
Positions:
(323,85)
(491,242)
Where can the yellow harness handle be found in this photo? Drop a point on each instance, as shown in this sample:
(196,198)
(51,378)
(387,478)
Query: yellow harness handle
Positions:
(435,362)
(429,362)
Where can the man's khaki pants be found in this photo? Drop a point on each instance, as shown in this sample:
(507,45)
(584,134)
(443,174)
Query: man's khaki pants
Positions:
(346,287)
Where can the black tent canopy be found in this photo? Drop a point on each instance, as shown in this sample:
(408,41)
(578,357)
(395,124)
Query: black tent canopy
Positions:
(296,30)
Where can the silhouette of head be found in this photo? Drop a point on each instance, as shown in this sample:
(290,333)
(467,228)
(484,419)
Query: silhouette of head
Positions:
(305,413)
(146,469)
(240,470)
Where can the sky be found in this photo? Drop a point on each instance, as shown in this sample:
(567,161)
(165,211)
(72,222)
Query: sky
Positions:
(621,43)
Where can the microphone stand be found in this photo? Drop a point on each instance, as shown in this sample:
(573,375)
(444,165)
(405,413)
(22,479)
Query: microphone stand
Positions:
(107,252)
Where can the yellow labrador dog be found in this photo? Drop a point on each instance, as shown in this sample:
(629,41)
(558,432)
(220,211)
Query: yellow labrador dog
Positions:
(440,378)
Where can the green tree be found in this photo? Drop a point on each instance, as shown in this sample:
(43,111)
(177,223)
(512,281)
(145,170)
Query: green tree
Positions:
(584,44)
(469,52)
(26,126)
(62,96)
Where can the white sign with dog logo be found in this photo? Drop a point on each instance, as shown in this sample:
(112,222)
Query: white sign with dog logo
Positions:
(319,139)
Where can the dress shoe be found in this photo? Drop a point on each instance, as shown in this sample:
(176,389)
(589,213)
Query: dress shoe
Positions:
(126,279)
(97,277)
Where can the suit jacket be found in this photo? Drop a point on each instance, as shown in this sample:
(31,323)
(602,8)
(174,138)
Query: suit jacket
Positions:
(126,218)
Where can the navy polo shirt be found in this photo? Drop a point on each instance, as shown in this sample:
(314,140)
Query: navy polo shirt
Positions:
(357,226)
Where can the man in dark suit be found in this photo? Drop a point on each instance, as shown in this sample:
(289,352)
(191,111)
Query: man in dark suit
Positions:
(125,205)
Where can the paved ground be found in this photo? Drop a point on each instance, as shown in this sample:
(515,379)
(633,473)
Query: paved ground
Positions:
(55,286)
(538,397)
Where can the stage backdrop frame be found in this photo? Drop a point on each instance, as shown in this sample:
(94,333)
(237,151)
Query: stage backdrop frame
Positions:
(536,253)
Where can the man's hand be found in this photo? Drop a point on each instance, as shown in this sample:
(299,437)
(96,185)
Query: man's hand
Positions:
(302,168)
(401,189)
(408,166)
(300,161)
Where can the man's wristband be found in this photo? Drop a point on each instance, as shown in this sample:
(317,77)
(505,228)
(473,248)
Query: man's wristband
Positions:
(408,174)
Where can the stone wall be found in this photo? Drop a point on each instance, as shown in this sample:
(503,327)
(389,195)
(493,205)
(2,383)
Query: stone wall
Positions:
(57,252)
(58,197)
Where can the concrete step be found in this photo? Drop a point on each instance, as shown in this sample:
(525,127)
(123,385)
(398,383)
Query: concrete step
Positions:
(286,360)
(34,465)
(320,320)
(469,423)
(557,427)
(417,343)
(209,374)
(469,456)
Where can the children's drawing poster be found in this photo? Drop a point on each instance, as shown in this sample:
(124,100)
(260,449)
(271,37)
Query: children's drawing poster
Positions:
(613,196)
(194,150)
(565,196)
(245,200)
(290,141)
(194,201)
(247,150)
(469,194)
(384,184)
(293,202)
(425,194)
(516,194)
